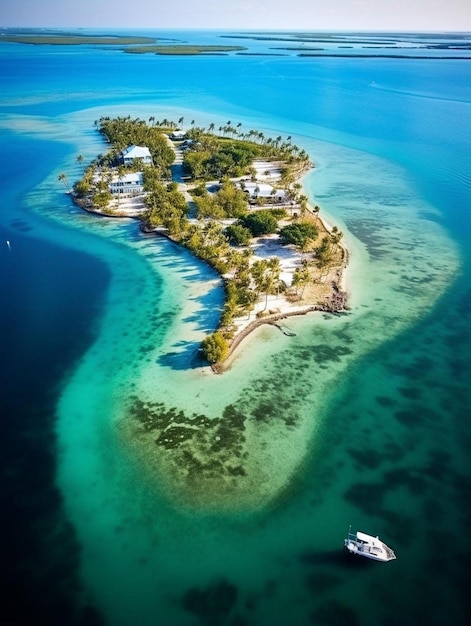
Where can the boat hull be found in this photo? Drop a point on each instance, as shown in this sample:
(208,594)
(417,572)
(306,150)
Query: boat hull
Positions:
(369,547)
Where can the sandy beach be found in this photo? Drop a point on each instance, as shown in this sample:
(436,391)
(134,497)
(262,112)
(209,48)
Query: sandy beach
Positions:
(327,292)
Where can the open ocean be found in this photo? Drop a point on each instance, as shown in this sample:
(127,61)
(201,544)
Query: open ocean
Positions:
(362,419)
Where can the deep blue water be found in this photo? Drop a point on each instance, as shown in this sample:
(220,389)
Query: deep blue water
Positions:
(45,320)
(49,297)
(416,113)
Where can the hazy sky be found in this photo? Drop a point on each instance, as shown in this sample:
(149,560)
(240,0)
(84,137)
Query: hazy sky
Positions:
(252,14)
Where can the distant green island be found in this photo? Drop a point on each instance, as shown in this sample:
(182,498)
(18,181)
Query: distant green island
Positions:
(183,49)
(74,40)
(133,45)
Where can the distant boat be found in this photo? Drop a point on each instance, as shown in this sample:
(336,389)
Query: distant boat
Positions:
(368,546)
(8,245)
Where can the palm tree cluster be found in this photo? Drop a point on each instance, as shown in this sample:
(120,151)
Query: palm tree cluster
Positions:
(233,151)
(209,157)
(245,281)
(325,253)
(166,207)
(227,202)
(222,246)
(164,124)
(122,132)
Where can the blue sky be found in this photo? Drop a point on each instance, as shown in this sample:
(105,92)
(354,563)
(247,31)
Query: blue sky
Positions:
(383,15)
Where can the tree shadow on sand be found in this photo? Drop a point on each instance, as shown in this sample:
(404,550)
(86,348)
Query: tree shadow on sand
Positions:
(188,356)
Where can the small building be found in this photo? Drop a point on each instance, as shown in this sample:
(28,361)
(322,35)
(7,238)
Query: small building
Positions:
(131,183)
(177,135)
(263,191)
(131,153)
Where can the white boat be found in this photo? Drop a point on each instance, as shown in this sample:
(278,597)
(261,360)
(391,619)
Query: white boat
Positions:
(368,546)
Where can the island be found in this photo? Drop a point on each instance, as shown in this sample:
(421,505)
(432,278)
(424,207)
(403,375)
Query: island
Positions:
(234,199)
(58,38)
(131,44)
(183,49)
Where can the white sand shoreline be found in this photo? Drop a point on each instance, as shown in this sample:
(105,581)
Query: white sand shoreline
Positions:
(330,297)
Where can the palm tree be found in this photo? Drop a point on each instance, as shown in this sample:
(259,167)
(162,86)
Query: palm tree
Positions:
(303,204)
(336,235)
(231,130)
(106,176)
(80,162)
(301,278)
(273,276)
(266,276)
(211,127)
(121,172)
(63,179)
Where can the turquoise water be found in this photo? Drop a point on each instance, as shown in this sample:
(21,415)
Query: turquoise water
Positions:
(361,419)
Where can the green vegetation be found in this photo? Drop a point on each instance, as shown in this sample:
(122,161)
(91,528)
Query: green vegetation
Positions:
(101,199)
(215,348)
(207,241)
(301,277)
(166,207)
(82,188)
(259,223)
(222,245)
(214,157)
(202,448)
(299,234)
(266,276)
(238,235)
(232,153)
(227,202)
(64,180)
(326,250)
(74,40)
(122,132)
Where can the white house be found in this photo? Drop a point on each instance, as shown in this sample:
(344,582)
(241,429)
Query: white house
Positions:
(127,183)
(131,153)
(177,135)
(263,191)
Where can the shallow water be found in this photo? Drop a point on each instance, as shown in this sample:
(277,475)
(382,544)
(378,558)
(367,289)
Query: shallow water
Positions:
(359,419)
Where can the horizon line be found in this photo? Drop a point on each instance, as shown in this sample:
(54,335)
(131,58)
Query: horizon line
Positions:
(248,30)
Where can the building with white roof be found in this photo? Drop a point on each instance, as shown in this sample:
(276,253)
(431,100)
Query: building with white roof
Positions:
(131,153)
(127,183)
(177,135)
(264,191)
